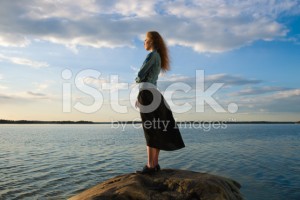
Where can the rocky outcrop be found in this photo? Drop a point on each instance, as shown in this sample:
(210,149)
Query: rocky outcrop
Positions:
(168,184)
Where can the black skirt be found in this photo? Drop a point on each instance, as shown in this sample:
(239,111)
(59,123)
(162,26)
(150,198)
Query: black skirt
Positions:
(160,128)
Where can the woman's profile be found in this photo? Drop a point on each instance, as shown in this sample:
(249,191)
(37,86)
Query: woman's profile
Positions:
(160,129)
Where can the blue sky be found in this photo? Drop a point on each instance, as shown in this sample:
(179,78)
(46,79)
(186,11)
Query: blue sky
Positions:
(250,46)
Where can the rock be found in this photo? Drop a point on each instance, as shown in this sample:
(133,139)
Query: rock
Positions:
(168,184)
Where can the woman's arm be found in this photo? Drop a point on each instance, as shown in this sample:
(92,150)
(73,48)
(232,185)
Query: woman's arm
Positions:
(145,67)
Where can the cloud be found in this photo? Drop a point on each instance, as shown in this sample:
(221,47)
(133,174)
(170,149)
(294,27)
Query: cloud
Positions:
(25,97)
(268,99)
(205,26)
(173,78)
(4,97)
(284,101)
(182,88)
(286,94)
(290,104)
(42,86)
(230,80)
(36,94)
(13,40)
(23,61)
(111,83)
(134,69)
(3,87)
(259,90)
(227,79)
(279,101)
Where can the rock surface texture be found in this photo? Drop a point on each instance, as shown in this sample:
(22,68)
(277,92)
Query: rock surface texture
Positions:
(167,184)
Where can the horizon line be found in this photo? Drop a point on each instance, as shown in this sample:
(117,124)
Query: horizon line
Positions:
(4,121)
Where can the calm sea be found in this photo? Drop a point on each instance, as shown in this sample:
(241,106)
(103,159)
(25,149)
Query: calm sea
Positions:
(58,161)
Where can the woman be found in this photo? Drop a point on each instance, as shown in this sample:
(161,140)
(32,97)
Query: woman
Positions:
(160,129)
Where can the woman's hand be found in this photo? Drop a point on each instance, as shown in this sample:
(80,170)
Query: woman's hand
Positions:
(137,104)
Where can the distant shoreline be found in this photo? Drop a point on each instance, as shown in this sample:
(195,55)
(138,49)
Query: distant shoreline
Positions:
(2,121)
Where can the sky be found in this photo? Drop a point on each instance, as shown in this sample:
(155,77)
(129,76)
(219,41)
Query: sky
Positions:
(231,60)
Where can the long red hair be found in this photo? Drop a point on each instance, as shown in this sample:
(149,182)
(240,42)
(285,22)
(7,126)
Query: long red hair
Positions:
(160,46)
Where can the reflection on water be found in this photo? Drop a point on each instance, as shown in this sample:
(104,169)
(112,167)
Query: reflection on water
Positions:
(58,161)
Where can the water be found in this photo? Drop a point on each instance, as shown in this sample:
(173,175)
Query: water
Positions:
(58,161)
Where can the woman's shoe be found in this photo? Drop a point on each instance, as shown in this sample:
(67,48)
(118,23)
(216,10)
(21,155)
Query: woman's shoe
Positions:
(147,170)
(157,168)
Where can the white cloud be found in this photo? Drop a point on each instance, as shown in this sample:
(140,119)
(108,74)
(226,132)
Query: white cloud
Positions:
(23,61)
(173,78)
(259,90)
(1,86)
(227,79)
(280,101)
(135,69)
(13,40)
(42,86)
(105,84)
(216,26)
(205,26)
(221,8)
(61,9)
(36,94)
(251,99)
(97,83)
(25,97)
(135,8)
(286,94)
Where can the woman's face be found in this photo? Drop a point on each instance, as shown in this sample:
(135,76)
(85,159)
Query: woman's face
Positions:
(147,43)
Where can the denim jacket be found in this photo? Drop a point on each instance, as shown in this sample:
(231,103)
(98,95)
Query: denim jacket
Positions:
(150,69)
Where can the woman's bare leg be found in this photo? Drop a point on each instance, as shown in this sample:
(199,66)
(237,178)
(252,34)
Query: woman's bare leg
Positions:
(150,153)
(153,154)
(156,154)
